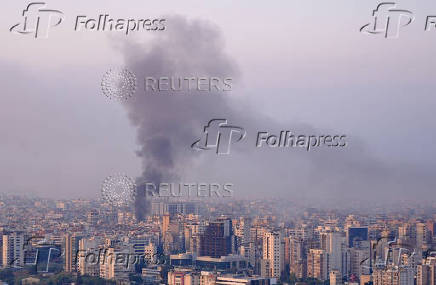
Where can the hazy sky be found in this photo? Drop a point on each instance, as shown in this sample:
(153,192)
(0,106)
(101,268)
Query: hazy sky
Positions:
(301,65)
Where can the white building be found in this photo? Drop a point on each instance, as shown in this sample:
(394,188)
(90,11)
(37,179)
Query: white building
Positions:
(273,255)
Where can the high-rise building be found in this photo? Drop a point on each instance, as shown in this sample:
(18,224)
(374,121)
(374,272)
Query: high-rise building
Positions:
(431,227)
(359,261)
(165,223)
(139,243)
(160,208)
(88,257)
(255,251)
(421,238)
(297,258)
(217,239)
(93,217)
(192,237)
(287,252)
(333,245)
(112,268)
(71,246)
(317,264)
(13,249)
(426,273)
(241,229)
(356,234)
(335,277)
(393,276)
(272,254)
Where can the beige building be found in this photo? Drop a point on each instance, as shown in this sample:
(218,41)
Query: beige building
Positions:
(89,257)
(71,246)
(335,277)
(187,277)
(113,265)
(317,264)
(393,276)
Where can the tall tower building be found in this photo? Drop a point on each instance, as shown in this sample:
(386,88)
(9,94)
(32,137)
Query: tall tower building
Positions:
(357,266)
(165,223)
(71,245)
(287,252)
(110,268)
(272,254)
(431,227)
(317,264)
(13,249)
(217,239)
(421,238)
(256,244)
(88,266)
(333,245)
(425,275)
(297,258)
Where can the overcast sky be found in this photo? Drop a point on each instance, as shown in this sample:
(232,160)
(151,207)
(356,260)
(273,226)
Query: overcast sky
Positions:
(301,65)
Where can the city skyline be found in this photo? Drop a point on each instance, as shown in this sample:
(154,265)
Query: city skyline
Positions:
(217,142)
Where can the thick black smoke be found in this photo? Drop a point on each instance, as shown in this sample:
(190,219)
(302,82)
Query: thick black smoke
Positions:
(168,121)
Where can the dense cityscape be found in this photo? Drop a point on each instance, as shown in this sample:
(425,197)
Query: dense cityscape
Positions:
(225,241)
(246,142)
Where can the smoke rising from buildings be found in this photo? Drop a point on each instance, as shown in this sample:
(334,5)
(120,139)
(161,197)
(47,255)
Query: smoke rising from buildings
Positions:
(66,137)
(166,121)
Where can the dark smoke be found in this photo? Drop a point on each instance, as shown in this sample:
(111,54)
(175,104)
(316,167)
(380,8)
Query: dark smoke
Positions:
(167,122)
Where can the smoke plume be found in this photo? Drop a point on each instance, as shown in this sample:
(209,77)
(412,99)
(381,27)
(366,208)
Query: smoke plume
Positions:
(168,121)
